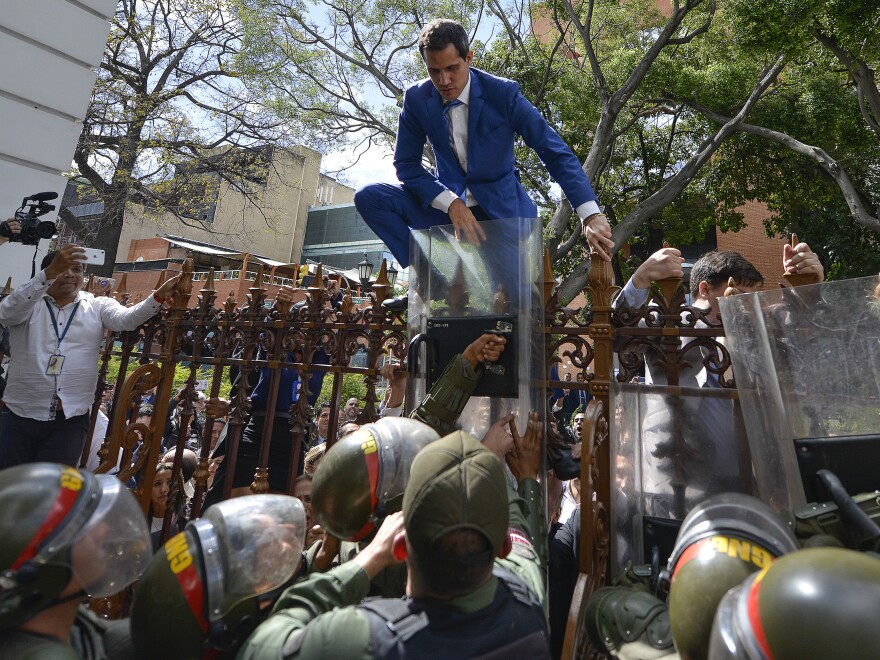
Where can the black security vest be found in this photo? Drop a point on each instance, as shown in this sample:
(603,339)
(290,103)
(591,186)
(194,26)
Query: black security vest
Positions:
(513,625)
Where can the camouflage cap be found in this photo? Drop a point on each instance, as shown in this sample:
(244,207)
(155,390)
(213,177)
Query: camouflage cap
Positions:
(455,483)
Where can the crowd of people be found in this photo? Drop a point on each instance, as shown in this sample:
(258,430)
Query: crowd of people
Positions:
(321,551)
(405,538)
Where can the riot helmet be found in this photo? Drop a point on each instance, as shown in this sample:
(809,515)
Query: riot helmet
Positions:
(721,542)
(205,588)
(362,477)
(814,603)
(61,525)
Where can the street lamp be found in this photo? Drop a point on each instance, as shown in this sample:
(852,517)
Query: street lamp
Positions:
(391,273)
(365,269)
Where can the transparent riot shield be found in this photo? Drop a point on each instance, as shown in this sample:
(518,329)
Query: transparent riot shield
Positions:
(672,447)
(807,366)
(459,291)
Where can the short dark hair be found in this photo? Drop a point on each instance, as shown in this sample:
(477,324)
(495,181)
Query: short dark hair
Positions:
(47,260)
(457,564)
(718,266)
(441,32)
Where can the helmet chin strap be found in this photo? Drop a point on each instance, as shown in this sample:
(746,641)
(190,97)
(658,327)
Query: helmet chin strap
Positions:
(79,594)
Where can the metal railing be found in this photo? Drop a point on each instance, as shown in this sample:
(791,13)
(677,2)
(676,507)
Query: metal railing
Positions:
(249,335)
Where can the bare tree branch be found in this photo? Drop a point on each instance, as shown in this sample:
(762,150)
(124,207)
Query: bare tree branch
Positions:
(832,167)
(674,186)
(613,104)
(863,76)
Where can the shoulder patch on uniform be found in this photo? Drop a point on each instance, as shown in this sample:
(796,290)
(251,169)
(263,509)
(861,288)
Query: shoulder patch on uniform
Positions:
(520,543)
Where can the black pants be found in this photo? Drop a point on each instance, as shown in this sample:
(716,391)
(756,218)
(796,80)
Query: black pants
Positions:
(25,440)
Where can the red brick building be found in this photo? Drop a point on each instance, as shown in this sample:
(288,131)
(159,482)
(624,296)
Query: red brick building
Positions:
(152,260)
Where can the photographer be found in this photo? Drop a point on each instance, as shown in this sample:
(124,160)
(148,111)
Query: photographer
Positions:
(55,333)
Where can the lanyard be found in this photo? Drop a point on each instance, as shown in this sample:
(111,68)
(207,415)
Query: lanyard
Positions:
(55,323)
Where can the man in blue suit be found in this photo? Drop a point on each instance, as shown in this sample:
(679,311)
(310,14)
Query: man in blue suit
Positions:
(471,118)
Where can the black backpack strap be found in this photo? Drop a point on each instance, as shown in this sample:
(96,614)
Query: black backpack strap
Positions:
(392,623)
(295,641)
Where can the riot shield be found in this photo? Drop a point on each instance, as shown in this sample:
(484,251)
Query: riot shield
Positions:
(458,292)
(807,366)
(673,447)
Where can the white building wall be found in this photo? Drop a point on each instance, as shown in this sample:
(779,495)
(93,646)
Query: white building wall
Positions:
(49,54)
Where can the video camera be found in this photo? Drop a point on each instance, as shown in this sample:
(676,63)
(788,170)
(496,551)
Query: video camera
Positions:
(32,229)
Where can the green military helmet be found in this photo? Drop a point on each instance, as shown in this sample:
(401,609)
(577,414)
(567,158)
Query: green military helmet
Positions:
(204,588)
(721,542)
(814,603)
(362,477)
(60,527)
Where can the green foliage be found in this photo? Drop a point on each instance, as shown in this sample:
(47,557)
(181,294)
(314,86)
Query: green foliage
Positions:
(182,374)
(353,386)
(113,367)
(339,70)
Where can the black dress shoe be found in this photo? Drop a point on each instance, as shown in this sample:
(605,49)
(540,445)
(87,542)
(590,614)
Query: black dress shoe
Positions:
(397,304)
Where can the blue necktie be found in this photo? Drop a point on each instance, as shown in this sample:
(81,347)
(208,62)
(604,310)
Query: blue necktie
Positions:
(446,108)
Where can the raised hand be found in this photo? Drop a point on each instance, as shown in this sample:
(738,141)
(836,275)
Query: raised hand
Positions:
(524,460)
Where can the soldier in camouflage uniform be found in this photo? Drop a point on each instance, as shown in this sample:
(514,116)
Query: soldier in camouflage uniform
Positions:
(343,480)
(473,550)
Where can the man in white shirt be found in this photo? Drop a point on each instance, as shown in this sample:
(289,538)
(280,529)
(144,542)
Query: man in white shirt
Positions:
(695,439)
(708,282)
(55,333)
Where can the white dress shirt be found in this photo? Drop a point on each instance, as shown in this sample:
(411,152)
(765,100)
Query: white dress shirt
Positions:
(101,424)
(29,389)
(636,298)
(458,117)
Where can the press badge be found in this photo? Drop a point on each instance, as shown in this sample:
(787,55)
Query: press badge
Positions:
(55,364)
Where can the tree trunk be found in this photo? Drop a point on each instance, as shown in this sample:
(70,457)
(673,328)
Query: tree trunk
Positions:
(107,236)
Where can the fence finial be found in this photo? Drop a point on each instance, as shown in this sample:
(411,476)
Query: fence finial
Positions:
(381,285)
(121,289)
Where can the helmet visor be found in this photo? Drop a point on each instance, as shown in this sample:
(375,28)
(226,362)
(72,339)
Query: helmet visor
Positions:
(399,440)
(260,538)
(113,548)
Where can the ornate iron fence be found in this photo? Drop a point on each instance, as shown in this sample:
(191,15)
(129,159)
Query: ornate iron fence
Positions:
(259,333)
(214,336)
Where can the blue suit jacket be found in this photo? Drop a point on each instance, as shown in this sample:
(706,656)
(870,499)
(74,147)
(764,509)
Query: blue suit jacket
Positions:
(497,111)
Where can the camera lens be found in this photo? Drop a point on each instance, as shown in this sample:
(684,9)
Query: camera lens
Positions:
(45,229)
